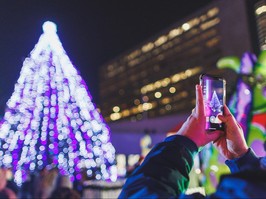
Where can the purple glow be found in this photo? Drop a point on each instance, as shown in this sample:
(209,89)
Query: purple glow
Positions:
(247,62)
(51,108)
(242,100)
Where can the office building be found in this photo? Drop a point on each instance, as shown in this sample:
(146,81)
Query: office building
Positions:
(260,16)
(157,77)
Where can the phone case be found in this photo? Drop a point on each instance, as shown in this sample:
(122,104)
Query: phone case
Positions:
(214,94)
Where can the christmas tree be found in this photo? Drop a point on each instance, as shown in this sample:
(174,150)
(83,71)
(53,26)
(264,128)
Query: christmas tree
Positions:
(215,104)
(50,119)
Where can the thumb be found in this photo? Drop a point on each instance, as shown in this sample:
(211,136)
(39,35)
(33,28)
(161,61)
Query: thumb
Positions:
(227,115)
(222,118)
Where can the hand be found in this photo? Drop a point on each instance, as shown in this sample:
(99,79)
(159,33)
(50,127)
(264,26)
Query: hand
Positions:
(232,143)
(194,126)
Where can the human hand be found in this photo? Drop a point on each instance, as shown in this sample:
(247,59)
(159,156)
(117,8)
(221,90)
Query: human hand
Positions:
(194,126)
(232,143)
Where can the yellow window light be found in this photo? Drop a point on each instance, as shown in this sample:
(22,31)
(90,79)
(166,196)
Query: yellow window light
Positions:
(115,116)
(161,40)
(158,94)
(186,26)
(147,47)
(172,89)
(175,32)
(116,109)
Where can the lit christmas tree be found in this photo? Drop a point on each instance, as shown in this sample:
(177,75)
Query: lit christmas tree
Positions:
(50,119)
(215,104)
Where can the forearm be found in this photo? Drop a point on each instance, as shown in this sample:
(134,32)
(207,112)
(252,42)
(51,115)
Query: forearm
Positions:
(248,161)
(165,170)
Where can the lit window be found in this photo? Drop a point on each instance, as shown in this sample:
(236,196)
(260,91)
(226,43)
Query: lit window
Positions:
(150,87)
(143,90)
(209,24)
(188,72)
(134,110)
(212,42)
(193,22)
(116,109)
(263,47)
(213,12)
(157,84)
(145,98)
(140,108)
(158,94)
(165,82)
(133,62)
(186,26)
(166,100)
(147,106)
(172,89)
(184,94)
(125,113)
(260,10)
(136,102)
(160,40)
(175,32)
(147,47)
(203,18)
(134,54)
(115,116)
(174,78)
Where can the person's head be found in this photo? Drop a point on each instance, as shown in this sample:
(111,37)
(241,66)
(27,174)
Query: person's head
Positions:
(3,180)
(7,193)
(64,193)
(64,181)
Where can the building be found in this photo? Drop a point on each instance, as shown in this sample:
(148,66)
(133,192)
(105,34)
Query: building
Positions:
(150,88)
(260,16)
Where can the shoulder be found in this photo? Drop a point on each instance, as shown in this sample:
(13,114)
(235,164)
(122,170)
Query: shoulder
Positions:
(247,184)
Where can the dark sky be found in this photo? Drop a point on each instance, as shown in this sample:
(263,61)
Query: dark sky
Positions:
(91,31)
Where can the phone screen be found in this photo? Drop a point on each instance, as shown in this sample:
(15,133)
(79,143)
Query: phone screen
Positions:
(214,99)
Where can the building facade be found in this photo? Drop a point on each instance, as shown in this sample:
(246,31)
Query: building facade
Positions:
(260,16)
(157,77)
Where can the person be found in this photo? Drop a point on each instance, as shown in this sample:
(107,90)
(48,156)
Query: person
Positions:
(5,192)
(64,193)
(164,172)
(45,182)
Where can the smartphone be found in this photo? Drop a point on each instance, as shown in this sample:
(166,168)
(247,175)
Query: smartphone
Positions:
(214,94)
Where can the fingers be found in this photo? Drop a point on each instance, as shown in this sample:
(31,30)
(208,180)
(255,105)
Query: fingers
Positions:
(200,110)
(227,115)
(227,111)
(228,118)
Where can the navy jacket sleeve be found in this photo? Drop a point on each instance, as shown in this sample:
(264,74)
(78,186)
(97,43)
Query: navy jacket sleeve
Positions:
(249,161)
(248,178)
(165,171)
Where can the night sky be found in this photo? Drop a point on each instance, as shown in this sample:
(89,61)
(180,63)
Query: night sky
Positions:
(92,32)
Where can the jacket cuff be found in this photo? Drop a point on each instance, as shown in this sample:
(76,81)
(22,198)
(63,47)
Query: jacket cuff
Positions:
(246,162)
(183,140)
